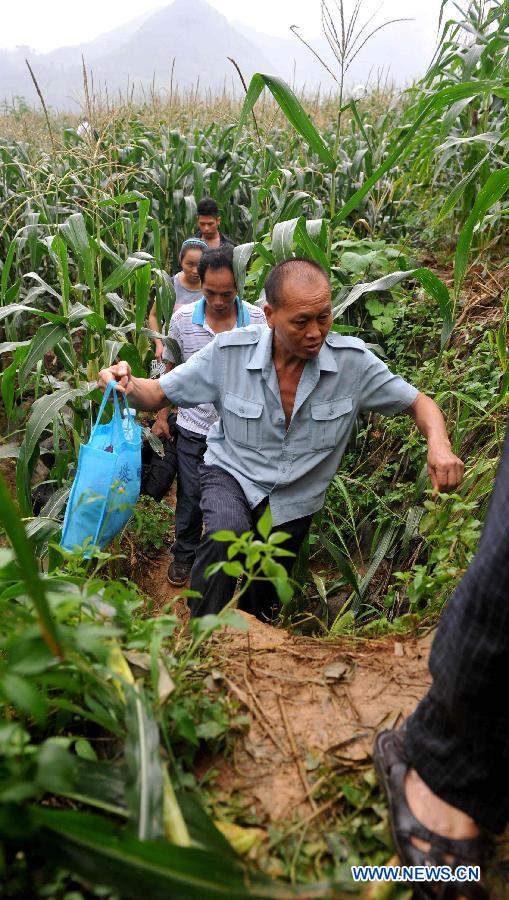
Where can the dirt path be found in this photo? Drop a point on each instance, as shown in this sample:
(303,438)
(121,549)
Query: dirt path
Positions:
(310,702)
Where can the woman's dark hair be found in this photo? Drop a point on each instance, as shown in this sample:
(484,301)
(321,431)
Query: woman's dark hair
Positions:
(221,258)
(306,269)
(191,244)
(207,207)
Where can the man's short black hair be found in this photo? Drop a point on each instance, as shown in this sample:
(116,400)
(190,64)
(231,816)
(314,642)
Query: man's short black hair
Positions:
(220,258)
(298,267)
(208,207)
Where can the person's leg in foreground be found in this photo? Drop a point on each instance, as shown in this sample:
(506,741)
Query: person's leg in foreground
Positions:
(225,508)
(188,518)
(446,773)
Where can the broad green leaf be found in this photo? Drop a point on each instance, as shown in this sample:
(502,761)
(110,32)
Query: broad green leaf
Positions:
(165,294)
(33,582)
(9,379)
(78,312)
(122,199)
(14,308)
(47,514)
(107,854)
(241,256)
(429,281)
(264,524)
(459,188)
(234,569)
(441,99)
(59,250)
(43,411)
(44,339)
(74,231)
(122,273)
(23,695)
(4,279)
(309,248)
(54,768)
(292,109)
(143,211)
(44,284)
(144,788)
(282,239)
(492,190)
(142,292)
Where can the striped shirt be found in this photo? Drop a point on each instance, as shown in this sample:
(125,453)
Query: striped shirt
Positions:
(191,331)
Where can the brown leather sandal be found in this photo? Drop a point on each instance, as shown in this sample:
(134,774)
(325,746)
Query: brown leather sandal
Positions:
(392,765)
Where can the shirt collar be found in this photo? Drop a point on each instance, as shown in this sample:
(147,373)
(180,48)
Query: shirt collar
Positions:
(326,359)
(262,356)
(242,313)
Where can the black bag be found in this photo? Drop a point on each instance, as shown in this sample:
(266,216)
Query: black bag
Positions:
(158,473)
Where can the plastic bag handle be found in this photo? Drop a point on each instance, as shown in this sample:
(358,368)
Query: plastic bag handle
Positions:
(111,386)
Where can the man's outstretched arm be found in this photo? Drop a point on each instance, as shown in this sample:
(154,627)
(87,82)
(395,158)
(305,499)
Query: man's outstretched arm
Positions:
(142,393)
(445,469)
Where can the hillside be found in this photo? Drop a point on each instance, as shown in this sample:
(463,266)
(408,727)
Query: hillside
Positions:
(139,54)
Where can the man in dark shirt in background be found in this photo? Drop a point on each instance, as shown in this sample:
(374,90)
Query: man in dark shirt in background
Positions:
(209,220)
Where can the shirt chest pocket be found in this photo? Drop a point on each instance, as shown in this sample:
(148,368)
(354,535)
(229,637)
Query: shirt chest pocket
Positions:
(329,420)
(242,420)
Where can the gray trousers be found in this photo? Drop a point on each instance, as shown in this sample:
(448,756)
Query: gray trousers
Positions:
(188,518)
(225,507)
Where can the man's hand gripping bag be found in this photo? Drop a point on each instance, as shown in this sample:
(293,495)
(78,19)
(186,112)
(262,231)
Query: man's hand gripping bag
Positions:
(107,482)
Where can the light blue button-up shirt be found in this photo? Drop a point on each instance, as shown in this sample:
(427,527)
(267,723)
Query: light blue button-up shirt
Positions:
(293,466)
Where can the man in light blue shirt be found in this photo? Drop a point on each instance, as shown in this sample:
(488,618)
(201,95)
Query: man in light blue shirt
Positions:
(287,399)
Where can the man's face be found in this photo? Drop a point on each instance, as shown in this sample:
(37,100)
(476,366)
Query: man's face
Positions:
(209,226)
(219,290)
(303,316)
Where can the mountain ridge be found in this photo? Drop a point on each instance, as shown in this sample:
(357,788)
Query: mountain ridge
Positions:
(194,40)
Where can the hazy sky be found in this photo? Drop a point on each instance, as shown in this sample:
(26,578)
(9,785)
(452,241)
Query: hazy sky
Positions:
(56,23)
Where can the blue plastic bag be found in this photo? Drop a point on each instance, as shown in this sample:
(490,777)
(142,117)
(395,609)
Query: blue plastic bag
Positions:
(107,482)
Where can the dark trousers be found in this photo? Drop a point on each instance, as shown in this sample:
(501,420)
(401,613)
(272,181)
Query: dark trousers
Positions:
(458,738)
(225,507)
(188,518)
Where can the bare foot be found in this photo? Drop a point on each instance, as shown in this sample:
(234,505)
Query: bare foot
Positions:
(435,814)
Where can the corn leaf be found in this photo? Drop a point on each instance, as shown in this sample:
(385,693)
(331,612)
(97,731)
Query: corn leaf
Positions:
(32,580)
(44,339)
(144,788)
(292,109)
(492,190)
(124,271)
(241,256)
(429,281)
(106,854)
(74,232)
(142,293)
(43,411)
(437,102)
